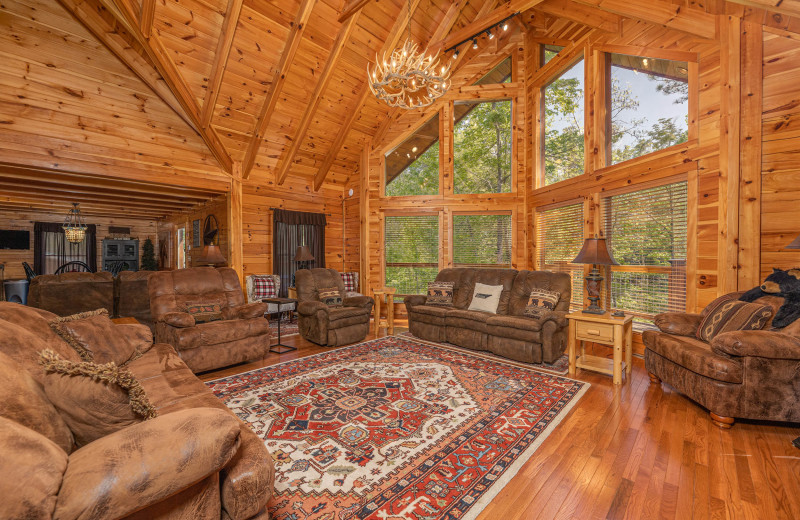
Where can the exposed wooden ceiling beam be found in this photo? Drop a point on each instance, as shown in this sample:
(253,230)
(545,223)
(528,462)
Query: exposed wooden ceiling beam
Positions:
(789,7)
(322,83)
(224,44)
(101,194)
(352,7)
(667,14)
(169,71)
(285,62)
(592,17)
(482,23)
(146,16)
(117,41)
(95,198)
(52,206)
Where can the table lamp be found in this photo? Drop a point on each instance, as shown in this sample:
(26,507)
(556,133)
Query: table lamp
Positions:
(211,256)
(595,252)
(303,256)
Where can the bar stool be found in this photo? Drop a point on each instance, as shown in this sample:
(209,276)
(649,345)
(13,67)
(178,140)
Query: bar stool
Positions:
(378,295)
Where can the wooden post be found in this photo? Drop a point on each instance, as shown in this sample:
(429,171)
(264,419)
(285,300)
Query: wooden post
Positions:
(364,215)
(235,255)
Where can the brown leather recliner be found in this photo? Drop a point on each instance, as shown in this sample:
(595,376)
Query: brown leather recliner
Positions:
(242,334)
(747,374)
(71,293)
(331,326)
(194,461)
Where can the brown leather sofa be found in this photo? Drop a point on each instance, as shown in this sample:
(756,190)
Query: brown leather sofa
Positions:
(194,461)
(331,326)
(509,333)
(753,374)
(131,297)
(242,334)
(71,293)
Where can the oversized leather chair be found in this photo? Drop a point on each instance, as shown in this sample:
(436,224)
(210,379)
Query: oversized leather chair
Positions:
(241,335)
(324,325)
(748,374)
(71,293)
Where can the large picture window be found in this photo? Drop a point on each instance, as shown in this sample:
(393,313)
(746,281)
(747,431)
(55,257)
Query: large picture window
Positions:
(482,240)
(563,139)
(649,105)
(412,252)
(482,147)
(559,240)
(646,231)
(413,167)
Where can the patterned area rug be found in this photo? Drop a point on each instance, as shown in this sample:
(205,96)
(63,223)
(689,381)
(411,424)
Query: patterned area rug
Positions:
(395,429)
(560,367)
(288,327)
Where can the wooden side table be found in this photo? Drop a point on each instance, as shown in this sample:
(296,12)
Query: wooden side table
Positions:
(378,295)
(605,330)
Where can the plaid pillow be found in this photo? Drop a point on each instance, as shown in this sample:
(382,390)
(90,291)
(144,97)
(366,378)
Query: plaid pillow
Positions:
(330,296)
(727,316)
(350,281)
(264,287)
(440,293)
(204,312)
(541,301)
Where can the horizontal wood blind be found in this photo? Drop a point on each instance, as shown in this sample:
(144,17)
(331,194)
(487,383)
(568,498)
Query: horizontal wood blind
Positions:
(646,231)
(559,239)
(482,240)
(412,252)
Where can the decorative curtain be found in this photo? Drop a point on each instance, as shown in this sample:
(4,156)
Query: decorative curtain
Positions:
(51,248)
(290,230)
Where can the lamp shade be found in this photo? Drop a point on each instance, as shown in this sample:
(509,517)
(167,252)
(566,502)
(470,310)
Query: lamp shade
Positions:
(211,256)
(795,243)
(594,251)
(303,254)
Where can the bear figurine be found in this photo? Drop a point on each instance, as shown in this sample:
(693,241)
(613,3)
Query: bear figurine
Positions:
(780,283)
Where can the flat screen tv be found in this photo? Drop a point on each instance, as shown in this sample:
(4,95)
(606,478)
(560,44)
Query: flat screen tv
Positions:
(15,239)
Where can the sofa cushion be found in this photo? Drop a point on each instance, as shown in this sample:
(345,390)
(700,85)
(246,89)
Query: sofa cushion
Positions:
(440,294)
(432,310)
(485,298)
(527,281)
(25,402)
(466,319)
(217,332)
(94,400)
(515,327)
(727,316)
(97,339)
(694,355)
(340,313)
(541,301)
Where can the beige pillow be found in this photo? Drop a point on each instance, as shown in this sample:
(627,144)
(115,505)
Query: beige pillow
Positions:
(98,340)
(486,298)
(94,400)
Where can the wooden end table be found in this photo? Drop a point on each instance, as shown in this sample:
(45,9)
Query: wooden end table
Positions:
(276,348)
(378,295)
(604,329)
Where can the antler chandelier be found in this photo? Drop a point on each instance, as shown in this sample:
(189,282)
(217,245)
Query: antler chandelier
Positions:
(408,78)
(74,225)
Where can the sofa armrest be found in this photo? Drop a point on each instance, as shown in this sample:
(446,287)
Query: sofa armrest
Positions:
(180,320)
(414,299)
(143,464)
(248,480)
(557,317)
(309,308)
(245,311)
(678,323)
(358,301)
(757,343)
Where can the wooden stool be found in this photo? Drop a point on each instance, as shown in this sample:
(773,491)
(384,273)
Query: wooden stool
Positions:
(378,295)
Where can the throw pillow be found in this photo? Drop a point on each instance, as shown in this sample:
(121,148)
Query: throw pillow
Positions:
(485,298)
(540,302)
(730,315)
(440,294)
(330,296)
(204,312)
(97,339)
(263,287)
(350,281)
(94,400)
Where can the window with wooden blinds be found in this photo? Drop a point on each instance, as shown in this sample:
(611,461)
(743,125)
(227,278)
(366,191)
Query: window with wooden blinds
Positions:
(646,232)
(482,240)
(412,252)
(559,240)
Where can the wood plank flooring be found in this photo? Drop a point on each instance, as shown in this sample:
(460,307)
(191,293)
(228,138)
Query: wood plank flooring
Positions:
(639,451)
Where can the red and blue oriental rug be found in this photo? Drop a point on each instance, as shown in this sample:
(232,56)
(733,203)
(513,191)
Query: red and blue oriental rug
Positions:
(395,429)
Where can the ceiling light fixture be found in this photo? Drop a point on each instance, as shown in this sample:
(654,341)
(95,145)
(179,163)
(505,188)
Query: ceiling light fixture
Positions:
(505,26)
(408,78)
(488,31)
(490,34)
(74,225)
(474,43)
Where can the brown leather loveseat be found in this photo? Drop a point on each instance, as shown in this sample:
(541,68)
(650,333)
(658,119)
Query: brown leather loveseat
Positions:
(241,335)
(747,374)
(71,293)
(195,460)
(509,333)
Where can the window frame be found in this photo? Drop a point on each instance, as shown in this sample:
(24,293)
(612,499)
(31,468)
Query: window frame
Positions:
(451,239)
(437,212)
(441,114)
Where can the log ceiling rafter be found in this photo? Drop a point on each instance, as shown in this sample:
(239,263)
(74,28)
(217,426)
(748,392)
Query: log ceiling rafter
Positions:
(124,13)
(660,12)
(276,85)
(591,17)
(224,44)
(351,8)
(322,83)
(146,15)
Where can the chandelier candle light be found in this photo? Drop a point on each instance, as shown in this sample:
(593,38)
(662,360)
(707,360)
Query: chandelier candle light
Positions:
(74,225)
(408,78)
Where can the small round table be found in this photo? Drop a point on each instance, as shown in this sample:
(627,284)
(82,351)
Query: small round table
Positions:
(276,348)
(378,295)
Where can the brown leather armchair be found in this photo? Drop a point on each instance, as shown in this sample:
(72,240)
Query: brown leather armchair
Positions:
(748,374)
(331,326)
(242,334)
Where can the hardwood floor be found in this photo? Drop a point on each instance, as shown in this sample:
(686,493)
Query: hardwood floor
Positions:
(639,451)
